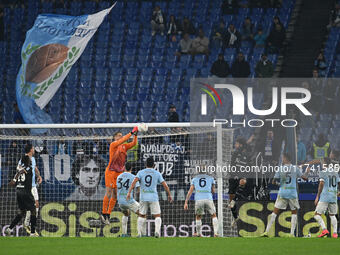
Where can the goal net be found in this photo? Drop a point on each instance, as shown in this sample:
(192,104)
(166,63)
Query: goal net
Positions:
(72,161)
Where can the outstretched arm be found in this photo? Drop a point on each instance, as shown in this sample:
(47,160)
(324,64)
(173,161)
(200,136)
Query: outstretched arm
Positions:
(128,196)
(191,190)
(128,146)
(166,187)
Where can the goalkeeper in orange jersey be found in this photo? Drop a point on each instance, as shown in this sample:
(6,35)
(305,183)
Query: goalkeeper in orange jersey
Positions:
(118,149)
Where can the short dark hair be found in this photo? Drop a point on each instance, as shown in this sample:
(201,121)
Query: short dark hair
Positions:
(287,156)
(81,161)
(150,162)
(116,133)
(241,140)
(128,166)
(28,147)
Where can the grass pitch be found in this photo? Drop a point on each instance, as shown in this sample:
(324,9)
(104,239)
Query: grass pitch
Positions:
(168,246)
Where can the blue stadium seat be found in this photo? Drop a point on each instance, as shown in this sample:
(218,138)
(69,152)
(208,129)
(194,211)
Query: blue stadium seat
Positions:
(142,97)
(159,79)
(146,118)
(175,78)
(131,118)
(145,78)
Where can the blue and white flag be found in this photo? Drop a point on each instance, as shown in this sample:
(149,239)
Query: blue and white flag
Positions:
(52,46)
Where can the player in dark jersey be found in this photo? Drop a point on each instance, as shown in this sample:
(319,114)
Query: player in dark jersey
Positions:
(23,182)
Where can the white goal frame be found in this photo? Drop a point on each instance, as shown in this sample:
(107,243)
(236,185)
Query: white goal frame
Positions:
(218,126)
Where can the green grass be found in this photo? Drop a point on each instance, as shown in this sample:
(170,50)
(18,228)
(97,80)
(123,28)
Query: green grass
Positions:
(168,246)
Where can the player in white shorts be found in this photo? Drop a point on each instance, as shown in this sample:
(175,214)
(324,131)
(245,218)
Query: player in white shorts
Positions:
(34,193)
(124,182)
(287,176)
(326,199)
(204,186)
(148,179)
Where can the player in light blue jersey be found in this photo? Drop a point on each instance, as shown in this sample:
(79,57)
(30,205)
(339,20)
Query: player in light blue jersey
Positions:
(204,186)
(326,199)
(124,182)
(36,173)
(286,177)
(149,178)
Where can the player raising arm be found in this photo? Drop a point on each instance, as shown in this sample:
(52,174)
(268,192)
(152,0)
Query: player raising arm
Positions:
(124,182)
(118,149)
(286,177)
(204,186)
(326,199)
(149,178)
(23,182)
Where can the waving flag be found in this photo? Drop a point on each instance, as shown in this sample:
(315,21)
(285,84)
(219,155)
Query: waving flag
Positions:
(52,46)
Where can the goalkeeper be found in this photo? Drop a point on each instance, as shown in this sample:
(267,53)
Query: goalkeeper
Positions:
(118,149)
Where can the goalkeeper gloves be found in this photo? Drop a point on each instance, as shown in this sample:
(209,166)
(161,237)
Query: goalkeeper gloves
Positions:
(134,131)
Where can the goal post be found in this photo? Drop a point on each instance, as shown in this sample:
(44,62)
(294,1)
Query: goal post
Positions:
(72,159)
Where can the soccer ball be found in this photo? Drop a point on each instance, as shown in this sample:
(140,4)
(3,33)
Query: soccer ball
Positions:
(142,127)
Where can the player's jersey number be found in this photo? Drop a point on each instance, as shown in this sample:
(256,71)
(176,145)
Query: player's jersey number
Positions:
(22,177)
(332,181)
(288,179)
(125,184)
(202,182)
(148,180)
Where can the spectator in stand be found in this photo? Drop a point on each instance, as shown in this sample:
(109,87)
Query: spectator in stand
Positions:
(260,39)
(233,37)
(335,17)
(219,35)
(301,151)
(229,7)
(240,67)
(185,45)
(275,39)
(2,25)
(62,147)
(247,33)
(80,147)
(264,68)
(321,64)
(329,95)
(276,21)
(173,115)
(200,45)
(157,21)
(98,146)
(321,148)
(188,27)
(17,118)
(220,67)
(316,89)
(173,29)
